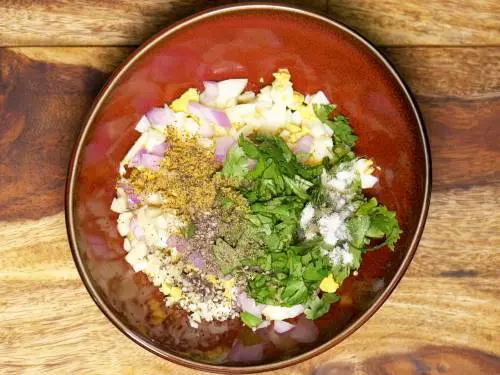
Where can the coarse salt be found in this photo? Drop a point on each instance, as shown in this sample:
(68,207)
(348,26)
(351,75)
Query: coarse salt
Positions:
(333,228)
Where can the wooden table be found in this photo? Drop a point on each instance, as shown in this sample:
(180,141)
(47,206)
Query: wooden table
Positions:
(444,317)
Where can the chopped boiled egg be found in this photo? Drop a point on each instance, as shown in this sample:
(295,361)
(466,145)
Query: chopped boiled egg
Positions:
(318,98)
(246,97)
(297,100)
(180,104)
(282,313)
(228,288)
(281,89)
(223,94)
(365,170)
(124,223)
(328,284)
(119,203)
(126,245)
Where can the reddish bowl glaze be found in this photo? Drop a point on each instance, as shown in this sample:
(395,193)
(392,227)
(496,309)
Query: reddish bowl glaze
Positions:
(245,41)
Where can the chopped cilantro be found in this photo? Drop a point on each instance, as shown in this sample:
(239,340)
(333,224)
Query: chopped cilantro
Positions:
(190,230)
(374,221)
(318,307)
(286,270)
(236,165)
(250,320)
(343,136)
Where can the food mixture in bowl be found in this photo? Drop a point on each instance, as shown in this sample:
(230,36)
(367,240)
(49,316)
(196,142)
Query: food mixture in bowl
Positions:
(251,206)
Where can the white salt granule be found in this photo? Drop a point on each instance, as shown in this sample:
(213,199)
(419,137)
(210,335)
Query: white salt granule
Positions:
(333,228)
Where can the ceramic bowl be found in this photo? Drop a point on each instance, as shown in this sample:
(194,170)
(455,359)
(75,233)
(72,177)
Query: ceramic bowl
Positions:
(245,41)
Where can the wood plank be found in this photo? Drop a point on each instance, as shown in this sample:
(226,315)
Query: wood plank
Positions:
(459,224)
(462,118)
(459,73)
(465,72)
(98,22)
(128,22)
(443,317)
(67,341)
(103,59)
(429,22)
(36,277)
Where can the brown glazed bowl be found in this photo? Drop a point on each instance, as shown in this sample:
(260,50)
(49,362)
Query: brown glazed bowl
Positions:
(247,40)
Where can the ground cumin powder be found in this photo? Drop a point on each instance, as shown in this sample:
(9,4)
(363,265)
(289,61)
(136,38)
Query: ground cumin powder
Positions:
(184,178)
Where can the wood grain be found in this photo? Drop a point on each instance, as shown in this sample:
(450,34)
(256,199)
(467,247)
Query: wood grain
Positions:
(449,312)
(429,22)
(98,22)
(129,22)
(444,316)
(58,99)
(461,117)
(465,72)
(458,73)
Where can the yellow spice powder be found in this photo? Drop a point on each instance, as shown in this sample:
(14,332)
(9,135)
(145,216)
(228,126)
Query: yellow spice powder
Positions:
(184,178)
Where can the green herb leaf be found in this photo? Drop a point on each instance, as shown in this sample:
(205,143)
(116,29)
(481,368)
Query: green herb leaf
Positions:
(236,164)
(298,186)
(295,292)
(342,131)
(249,148)
(250,320)
(190,230)
(322,111)
(330,297)
(358,228)
(314,273)
(374,221)
(259,169)
(316,308)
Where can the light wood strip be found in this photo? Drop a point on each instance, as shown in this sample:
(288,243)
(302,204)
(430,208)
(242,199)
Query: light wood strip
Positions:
(128,22)
(465,72)
(461,116)
(421,22)
(462,72)
(76,338)
(458,241)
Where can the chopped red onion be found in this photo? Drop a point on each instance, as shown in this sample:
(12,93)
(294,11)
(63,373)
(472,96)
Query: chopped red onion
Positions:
(136,229)
(209,96)
(206,130)
(151,161)
(282,312)
(303,145)
(209,114)
(305,331)
(249,305)
(137,159)
(179,242)
(133,200)
(241,353)
(143,125)
(280,326)
(160,149)
(159,116)
(264,324)
(196,260)
(222,146)
(127,188)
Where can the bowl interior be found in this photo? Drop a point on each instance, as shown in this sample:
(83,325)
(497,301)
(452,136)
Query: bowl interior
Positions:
(253,43)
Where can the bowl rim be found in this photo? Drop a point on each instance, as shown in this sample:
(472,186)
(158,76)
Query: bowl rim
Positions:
(108,87)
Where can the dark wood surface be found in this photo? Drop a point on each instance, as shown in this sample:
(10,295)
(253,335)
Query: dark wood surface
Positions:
(444,317)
